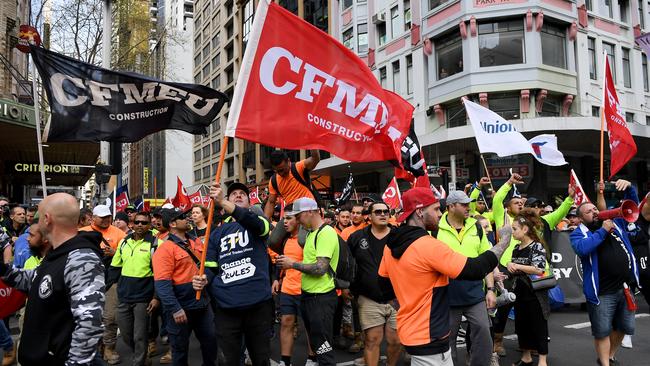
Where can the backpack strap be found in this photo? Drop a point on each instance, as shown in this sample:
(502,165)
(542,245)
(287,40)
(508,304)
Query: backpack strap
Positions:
(305,180)
(274,183)
(188,251)
(479,230)
(330,270)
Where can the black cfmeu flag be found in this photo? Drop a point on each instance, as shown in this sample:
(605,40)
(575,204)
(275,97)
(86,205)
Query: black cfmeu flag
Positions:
(89,103)
(412,156)
(347,192)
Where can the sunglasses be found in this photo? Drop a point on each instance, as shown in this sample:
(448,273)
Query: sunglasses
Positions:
(381,212)
(138,222)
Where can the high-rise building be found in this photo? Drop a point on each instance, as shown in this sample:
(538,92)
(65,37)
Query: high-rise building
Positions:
(154,162)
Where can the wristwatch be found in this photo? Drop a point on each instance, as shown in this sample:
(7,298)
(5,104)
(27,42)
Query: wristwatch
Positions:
(490,289)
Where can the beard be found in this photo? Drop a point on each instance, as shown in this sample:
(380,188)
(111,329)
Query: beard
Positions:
(594,225)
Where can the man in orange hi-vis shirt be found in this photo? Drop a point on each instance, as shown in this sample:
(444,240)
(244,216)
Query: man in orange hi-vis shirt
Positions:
(419,267)
(290,180)
(358,221)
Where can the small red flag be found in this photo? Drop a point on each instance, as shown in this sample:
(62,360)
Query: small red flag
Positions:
(314,89)
(392,196)
(580,196)
(621,142)
(254,197)
(196,198)
(181,200)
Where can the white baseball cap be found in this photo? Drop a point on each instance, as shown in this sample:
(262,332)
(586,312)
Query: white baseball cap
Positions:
(102,211)
(301,205)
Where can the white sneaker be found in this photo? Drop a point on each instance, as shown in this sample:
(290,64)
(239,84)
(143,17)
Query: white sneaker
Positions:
(311,363)
(494,360)
(627,342)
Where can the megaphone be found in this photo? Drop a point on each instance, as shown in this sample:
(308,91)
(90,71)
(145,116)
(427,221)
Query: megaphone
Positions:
(629,211)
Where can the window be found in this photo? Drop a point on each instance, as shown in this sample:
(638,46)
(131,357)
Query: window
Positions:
(348,37)
(316,13)
(396,84)
(362,38)
(247,21)
(588,5)
(197,78)
(623,8)
(595,111)
(551,107)
(606,8)
(215,41)
(206,151)
(206,171)
(216,145)
(627,76)
(382,77)
(230,164)
(197,155)
(409,74)
(347,4)
(436,3)
(197,175)
(230,53)
(206,70)
(231,145)
(644,66)
(216,60)
(553,45)
(501,43)
(215,21)
(456,115)
(197,59)
(197,42)
(591,45)
(291,5)
(381,33)
(647,120)
(629,117)
(449,55)
(611,57)
(216,82)
(206,52)
(505,105)
(407,15)
(214,168)
(394,16)
(229,30)
(641,15)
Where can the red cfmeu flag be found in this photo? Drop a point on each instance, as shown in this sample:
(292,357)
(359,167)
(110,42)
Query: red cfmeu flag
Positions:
(196,198)
(392,196)
(580,196)
(181,200)
(621,143)
(254,197)
(315,91)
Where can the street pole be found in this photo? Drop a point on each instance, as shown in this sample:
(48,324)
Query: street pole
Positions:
(452,186)
(37,115)
(104,146)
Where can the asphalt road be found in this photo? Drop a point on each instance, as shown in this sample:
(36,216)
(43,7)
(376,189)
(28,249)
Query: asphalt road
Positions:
(571,343)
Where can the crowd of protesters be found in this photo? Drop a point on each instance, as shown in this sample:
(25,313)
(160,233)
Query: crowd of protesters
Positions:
(352,276)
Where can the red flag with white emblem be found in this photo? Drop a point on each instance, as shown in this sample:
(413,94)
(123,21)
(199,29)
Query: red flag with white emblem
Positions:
(196,198)
(580,196)
(181,200)
(392,195)
(317,90)
(621,143)
(254,196)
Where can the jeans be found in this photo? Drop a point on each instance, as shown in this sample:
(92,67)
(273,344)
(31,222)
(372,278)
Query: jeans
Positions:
(477,317)
(318,315)
(611,314)
(250,326)
(6,343)
(201,321)
(133,321)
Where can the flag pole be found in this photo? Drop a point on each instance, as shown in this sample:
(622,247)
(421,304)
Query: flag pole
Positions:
(37,115)
(602,120)
(155,191)
(206,238)
(487,172)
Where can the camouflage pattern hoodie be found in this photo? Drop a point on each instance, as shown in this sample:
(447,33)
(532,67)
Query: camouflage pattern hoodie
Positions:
(63,318)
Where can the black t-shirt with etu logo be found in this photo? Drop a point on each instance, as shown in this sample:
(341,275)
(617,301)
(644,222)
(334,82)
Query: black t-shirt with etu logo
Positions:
(614,264)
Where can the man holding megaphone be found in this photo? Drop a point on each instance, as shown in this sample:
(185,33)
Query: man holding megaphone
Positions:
(609,267)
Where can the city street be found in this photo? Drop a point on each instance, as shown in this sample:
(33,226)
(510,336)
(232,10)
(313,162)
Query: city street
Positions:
(571,343)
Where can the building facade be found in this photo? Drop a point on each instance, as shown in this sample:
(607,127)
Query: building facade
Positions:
(537,63)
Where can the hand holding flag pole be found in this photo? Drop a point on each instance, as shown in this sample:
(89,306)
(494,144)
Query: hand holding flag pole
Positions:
(206,238)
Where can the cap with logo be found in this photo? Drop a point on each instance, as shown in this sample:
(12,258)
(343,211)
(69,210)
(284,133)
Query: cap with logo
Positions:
(130,208)
(572,213)
(170,214)
(102,211)
(414,198)
(534,202)
(237,185)
(457,197)
(302,204)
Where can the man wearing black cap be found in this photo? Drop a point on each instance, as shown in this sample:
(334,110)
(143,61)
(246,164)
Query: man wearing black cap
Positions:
(574,219)
(238,278)
(130,211)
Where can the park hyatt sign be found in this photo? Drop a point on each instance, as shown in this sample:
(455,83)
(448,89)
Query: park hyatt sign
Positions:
(28,168)
(484,3)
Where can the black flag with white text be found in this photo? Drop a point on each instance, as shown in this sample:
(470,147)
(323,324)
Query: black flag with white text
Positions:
(347,192)
(89,103)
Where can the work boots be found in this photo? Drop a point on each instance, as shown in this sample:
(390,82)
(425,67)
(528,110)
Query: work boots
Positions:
(498,344)
(9,357)
(110,355)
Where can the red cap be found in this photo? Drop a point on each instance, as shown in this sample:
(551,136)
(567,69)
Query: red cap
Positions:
(415,198)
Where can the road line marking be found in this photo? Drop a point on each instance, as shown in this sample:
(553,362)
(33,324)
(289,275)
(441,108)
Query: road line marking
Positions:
(588,324)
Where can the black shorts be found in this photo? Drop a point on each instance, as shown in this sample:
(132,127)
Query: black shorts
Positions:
(289,304)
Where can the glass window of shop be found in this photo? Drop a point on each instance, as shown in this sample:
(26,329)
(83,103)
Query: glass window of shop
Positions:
(501,43)
(553,45)
(449,55)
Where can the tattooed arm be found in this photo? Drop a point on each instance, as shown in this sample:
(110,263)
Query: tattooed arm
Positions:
(315,269)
